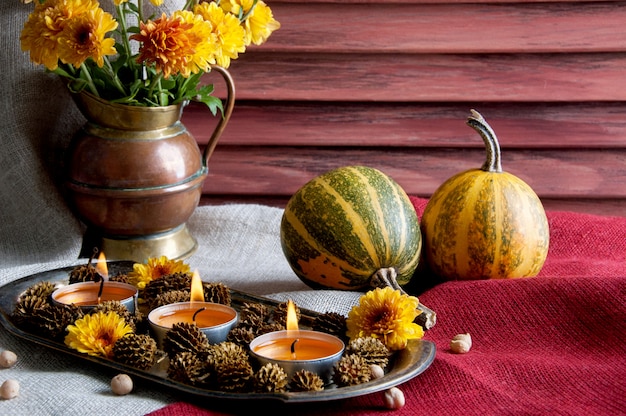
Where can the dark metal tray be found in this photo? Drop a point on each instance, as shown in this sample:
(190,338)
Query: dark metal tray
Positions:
(404,365)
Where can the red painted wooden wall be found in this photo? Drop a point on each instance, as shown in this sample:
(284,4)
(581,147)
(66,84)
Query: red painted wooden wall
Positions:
(389,84)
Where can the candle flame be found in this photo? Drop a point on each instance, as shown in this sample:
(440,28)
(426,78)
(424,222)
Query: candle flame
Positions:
(101,266)
(292,318)
(197,293)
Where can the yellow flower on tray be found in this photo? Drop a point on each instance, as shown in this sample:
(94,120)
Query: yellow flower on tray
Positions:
(96,334)
(155,268)
(385,314)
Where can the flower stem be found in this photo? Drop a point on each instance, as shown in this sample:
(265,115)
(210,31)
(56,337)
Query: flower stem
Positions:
(90,84)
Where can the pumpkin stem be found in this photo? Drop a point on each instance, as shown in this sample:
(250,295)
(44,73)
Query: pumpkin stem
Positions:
(478,123)
(388,277)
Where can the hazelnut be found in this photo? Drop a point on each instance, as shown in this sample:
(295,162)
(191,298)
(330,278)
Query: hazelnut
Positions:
(461,343)
(7,359)
(377,371)
(394,398)
(10,389)
(121,384)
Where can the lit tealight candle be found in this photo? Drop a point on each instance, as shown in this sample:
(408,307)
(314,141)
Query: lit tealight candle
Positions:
(213,319)
(294,349)
(88,295)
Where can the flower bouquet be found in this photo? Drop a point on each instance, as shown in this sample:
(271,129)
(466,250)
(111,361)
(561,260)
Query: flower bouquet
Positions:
(138,59)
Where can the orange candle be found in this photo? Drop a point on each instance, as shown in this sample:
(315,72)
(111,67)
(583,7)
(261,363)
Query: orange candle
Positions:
(89,294)
(214,320)
(296,350)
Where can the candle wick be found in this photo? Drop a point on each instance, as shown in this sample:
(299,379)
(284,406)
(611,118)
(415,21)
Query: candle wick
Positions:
(293,347)
(196,313)
(101,288)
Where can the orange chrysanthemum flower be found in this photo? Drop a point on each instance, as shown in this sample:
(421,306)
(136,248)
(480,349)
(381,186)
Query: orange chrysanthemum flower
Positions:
(40,35)
(229,34)
(155,268)
(385,314)
(260,23)
(182,44)
(83,37)
(96,334)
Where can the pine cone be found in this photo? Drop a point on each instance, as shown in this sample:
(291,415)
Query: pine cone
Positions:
(352,369)
(185,336)
(120,277)
(373,350)
(331,323)
(26,307)
(234,375)
(52,320)
(175,281)
(254,313)
(241,335)
(84,273)
(305,380)
(41,289)
(136,350)
(280,313)
(216,293)
(264,329)
(173,296)
(188,368)
(271,378)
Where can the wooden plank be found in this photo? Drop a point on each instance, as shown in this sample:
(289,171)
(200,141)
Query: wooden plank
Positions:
(553,173)
(272,2)
(525,125)
(430,78)
(384,27)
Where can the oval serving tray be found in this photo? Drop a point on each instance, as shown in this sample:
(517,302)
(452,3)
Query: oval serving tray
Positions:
(405,364)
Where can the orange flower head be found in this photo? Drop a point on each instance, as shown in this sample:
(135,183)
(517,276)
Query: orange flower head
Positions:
(181,44)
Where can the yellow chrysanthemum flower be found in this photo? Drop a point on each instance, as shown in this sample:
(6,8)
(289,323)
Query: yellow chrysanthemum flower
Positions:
(182,44)
(385,314)
(229,34)
(96,334)
(44,25)
(84,37)
(260,22)
(155,268)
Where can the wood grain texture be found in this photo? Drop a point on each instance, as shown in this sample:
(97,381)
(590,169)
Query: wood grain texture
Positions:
(389,84)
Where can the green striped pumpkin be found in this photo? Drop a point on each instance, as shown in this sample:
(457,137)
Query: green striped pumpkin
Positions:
(485,223)
(350,228)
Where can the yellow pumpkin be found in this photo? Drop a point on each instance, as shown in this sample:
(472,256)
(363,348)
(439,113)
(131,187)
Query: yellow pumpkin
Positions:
(485,223)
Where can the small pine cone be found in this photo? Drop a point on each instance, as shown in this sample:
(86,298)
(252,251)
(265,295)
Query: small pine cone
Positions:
(52,320)
(234,375)
(184,336)
(254,312)
(229,351)
(186,367)
(252,321)
(352,369)
(173,296)
(216,293)
(25,309)
(120,277)
(175,281)
(305,380)
(241,335)
(271,378)
(280,313)
(84,273)
(332,323)
(264,329)
(136,350)
(372,349)
(41,289)
(117,307)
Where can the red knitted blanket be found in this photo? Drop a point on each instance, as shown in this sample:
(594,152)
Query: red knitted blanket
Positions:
(553,344)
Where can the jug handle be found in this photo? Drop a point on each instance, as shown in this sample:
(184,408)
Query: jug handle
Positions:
(228,110)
